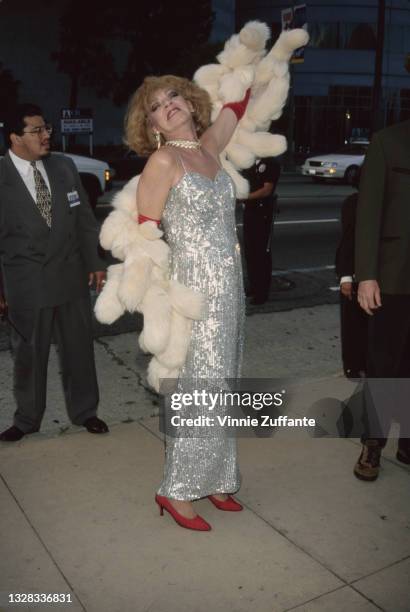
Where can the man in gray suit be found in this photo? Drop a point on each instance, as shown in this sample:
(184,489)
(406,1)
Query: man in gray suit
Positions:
(382,268)
(48,257)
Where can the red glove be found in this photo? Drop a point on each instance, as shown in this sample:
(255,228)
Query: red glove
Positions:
(143,219)
(239,108)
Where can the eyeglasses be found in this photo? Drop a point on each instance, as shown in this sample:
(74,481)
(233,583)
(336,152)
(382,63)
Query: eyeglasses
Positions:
(40,129)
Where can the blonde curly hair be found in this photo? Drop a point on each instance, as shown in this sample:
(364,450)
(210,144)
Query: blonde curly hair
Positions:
(138,134)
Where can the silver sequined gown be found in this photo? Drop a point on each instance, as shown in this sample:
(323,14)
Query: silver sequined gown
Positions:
(199,226)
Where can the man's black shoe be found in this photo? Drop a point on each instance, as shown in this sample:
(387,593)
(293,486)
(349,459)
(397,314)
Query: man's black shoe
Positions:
(95,425)
(12,434)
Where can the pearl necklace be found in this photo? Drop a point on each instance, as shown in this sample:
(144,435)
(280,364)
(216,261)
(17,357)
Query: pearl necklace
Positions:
(184,144)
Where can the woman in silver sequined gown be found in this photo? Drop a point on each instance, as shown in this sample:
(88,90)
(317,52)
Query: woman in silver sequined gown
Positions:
(184,186)
(199,225)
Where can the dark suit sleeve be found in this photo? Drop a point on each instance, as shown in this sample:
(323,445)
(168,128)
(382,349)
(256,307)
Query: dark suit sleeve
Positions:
(370,211)
(87,228)
(345,250)
(2,294)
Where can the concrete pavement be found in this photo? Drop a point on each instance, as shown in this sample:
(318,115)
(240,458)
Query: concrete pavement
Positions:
(77,513)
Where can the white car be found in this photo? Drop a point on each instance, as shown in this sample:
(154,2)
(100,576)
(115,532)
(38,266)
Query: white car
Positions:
(96,176)
(344,164)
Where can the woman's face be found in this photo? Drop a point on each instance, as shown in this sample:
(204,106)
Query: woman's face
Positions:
(168,110)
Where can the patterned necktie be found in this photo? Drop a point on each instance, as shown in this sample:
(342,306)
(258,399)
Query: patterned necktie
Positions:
(43,196)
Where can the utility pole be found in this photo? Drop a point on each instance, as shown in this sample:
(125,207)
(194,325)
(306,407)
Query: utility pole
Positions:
(290,156)
(290,135)
(377,115)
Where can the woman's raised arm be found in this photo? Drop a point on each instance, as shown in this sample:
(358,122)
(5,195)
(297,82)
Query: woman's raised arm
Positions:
(218,135)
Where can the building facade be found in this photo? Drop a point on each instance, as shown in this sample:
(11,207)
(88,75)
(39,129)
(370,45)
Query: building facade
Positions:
(333,88)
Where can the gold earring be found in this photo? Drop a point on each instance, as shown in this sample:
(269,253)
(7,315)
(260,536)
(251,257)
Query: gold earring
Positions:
(157,138)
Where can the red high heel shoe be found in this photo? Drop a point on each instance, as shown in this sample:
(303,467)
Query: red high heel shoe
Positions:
(229,505)
(197,523)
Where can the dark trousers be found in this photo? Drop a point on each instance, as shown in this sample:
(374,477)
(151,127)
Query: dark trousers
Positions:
(388,357)
(257,234)
(353,332)
(72,325)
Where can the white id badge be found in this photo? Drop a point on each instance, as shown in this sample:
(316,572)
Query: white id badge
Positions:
(73,198)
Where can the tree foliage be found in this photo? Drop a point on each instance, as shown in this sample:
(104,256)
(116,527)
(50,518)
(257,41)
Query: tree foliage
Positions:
(83,53)
(148,36)
(162,37)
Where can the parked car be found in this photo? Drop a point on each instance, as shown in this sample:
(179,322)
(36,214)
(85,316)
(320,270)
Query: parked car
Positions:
(342,165)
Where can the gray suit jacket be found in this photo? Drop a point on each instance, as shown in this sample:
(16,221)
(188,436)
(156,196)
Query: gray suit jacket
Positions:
(383,213)
(44,267)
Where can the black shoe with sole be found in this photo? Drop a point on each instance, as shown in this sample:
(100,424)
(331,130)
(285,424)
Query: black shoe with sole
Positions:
(95,425)
(12,434)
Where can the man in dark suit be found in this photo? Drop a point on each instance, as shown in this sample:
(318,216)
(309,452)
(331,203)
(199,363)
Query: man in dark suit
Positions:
(353,319)
(48,257)
(258,212)
(382,269)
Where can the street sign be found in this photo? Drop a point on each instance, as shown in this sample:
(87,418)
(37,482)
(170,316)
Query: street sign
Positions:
(76,121)
(295,18)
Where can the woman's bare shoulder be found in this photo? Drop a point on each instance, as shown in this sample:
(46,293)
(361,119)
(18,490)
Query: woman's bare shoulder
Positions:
(162,161)
(155,183)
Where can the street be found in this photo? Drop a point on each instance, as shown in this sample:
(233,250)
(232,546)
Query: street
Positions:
(307,228)
(305,235)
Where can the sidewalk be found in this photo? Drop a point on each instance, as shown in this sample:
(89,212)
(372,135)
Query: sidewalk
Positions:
(77,513)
